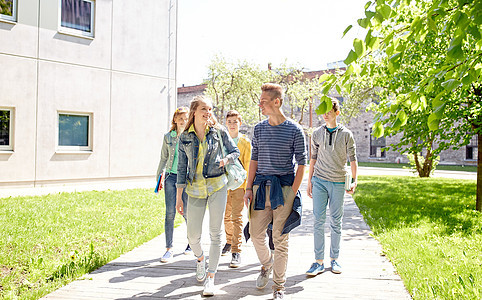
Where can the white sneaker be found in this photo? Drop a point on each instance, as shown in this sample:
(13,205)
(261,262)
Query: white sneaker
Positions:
(201,270)
(209,286)
(167,256)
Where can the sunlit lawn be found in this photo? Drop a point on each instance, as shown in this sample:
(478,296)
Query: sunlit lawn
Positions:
(429,229)
(47,241)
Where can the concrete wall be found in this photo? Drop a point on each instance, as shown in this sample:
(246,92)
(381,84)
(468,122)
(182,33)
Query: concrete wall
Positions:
(124,77)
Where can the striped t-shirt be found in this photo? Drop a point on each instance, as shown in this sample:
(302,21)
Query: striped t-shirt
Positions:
(274,147)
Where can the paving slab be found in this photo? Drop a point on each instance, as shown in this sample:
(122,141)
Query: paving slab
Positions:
(138,274)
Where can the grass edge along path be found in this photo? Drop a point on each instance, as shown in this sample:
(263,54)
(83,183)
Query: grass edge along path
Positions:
(49,241)
(466,168)
(429,229)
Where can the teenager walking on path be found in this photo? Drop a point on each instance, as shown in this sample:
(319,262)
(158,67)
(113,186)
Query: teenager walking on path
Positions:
(168,163)
(331,145)
(272,187)
(233,217)
(201,171)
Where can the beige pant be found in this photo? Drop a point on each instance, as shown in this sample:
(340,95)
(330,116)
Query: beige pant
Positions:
(259,223)
(233,219)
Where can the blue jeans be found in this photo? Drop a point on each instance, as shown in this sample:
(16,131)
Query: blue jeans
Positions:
(327,193)
(170,192)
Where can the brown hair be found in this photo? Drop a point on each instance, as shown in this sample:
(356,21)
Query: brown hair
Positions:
(336,104)
(234,113)
(195,102)
(177,112)
(274,90)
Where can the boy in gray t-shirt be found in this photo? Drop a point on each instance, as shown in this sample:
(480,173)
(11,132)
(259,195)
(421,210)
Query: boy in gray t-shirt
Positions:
(331,145)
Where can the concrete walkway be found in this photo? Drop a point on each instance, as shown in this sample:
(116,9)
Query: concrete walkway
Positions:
(367,274)
(407,172)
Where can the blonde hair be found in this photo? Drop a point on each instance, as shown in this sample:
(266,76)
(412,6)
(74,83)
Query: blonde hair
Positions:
(195,102)
(274,90)
(177,112)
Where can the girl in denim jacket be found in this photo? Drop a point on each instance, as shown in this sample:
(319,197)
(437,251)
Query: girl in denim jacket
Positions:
(168,163)
(201,172)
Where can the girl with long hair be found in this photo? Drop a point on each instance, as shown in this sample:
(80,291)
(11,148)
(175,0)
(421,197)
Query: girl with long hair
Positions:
(201,172)
(168,163)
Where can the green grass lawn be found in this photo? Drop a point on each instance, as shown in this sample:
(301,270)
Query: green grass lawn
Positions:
(429,229)
(399,166)
(48,241)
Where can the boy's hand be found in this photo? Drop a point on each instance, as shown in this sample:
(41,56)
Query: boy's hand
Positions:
(248,196)
(309,190)
(353,187)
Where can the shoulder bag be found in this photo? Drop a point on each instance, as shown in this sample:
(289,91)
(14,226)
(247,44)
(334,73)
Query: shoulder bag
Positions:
(235,172)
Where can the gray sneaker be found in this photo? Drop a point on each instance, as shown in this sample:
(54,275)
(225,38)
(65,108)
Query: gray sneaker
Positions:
(235,260)
(201,270)
(277,295)
(263,278)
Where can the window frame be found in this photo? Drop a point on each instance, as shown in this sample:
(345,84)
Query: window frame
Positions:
(473,148)
(78,32)
(70,149)
(9,147)
(13,17)
(373,148)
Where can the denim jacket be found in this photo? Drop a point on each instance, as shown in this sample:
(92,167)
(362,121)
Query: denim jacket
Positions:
(167,152)
(293,220)
(276,198)
(188,155)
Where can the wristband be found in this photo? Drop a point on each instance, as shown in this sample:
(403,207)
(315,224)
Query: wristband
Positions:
(249,189)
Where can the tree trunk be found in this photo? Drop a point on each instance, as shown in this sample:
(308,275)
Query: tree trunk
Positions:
(427,164)
(417,163)
(478,199)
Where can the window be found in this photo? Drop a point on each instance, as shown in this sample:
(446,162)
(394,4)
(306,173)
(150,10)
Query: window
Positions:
(471,149)
(377,145)
(75,132)
(77,17)
(6,129)
(8,10)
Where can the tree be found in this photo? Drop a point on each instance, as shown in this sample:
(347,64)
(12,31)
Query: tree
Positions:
(425,57)
(6,7)
(301,93)
(238,86)
(235,86)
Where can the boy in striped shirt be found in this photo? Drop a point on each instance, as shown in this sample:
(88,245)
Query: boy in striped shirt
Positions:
(272,186)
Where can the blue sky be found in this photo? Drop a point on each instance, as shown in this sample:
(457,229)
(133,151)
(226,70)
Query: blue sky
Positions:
(303,32)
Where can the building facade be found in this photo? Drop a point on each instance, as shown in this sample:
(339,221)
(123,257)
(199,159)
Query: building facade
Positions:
(87,88)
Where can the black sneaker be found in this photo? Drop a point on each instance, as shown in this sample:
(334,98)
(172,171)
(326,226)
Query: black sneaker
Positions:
(188,250)
(226,249)
(235,260)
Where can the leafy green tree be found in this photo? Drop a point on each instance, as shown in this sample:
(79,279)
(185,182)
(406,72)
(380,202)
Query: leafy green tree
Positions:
(301,94)
(425,58)
(235,86)
(6,7)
